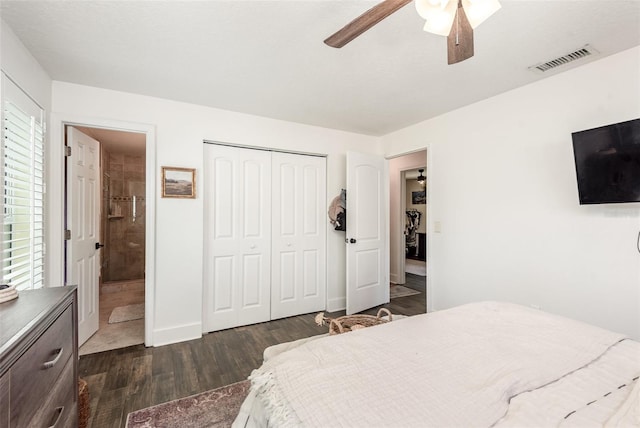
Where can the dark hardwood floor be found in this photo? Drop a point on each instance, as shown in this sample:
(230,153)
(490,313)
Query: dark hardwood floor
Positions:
(128,379)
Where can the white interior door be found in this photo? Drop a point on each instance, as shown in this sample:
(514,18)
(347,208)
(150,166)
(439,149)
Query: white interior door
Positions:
(83,213)
(237,236)
(367,232)
(298,268)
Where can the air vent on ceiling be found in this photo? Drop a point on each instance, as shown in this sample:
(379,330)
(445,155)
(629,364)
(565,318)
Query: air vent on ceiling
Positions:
(565,59)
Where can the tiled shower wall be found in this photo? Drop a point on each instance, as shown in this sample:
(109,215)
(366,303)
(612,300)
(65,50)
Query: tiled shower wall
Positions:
(124,211)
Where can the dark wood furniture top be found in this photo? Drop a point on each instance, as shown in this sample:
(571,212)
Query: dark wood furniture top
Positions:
(38,359)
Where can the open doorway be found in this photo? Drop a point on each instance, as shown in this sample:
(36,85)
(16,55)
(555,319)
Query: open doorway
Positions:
(122,226)
(415,231)
(408,223)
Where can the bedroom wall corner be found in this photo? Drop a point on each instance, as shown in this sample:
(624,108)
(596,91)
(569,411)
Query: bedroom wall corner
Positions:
(21,67)
(503,188)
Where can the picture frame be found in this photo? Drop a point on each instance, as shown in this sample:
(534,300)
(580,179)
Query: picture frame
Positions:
(178,182)
(419,198)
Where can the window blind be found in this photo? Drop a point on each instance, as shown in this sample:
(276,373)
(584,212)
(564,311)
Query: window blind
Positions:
(23,190)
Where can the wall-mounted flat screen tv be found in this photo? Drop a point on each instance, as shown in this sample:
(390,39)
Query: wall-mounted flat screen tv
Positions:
(608,163)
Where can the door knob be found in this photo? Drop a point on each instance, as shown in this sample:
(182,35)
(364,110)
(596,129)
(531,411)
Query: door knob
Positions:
(353,241)
(99,245)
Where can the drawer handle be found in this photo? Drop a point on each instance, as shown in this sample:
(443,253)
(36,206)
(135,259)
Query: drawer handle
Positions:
(59,411)
(53,362)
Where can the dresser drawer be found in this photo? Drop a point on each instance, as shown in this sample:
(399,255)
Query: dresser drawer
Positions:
(4,400)
(38,369)
(59,403)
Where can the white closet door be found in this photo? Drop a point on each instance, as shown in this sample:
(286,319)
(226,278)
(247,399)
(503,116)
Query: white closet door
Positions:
(298,273)
(237,236)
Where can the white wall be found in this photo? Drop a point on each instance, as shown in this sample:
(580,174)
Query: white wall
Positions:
(179,131)
(503,186)
(21,67)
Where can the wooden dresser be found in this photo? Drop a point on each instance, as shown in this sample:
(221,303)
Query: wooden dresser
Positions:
(39,359)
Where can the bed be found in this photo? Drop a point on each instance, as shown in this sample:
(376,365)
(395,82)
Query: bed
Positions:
(483,364)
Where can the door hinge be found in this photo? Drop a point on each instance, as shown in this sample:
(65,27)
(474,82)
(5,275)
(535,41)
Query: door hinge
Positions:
(67,150)
(67,235)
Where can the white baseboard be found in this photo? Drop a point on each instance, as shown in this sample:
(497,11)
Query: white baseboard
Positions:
(393,278)
(167,336)
(336,304)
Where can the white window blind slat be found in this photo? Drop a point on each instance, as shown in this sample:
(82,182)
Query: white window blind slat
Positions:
(22,169)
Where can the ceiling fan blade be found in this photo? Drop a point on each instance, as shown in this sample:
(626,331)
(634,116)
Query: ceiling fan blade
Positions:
(460,39)
(364,22)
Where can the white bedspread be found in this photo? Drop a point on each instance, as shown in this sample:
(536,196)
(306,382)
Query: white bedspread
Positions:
(458,367)
(604,393)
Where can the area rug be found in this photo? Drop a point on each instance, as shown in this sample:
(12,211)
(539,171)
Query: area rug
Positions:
(401,291)
(214,408)
(127,313)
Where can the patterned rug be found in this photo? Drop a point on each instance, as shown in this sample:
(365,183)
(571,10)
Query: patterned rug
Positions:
(127,313)
(401,291)
(215,408)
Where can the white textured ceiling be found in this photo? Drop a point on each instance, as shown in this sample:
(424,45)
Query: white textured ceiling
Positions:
(267,57)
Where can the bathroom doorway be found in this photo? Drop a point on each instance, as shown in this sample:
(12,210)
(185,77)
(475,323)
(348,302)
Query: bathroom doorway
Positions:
(122,236)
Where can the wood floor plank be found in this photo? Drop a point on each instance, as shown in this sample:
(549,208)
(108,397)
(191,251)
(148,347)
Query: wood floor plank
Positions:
(141,373)
(96,382)
(110,409)
(162,388)
(185,372)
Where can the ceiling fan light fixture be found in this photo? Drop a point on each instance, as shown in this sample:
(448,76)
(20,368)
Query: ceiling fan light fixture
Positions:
(421,178)
(438,17)
(479,10)
(440,14)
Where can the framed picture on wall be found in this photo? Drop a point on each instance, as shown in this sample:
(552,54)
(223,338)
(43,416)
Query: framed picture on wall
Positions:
(178,182)
(418,198)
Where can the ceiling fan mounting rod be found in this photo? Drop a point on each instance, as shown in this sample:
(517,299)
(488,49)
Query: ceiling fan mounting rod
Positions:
(457,18)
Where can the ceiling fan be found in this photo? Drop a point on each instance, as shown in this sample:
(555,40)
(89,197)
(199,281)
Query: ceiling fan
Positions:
(455,19)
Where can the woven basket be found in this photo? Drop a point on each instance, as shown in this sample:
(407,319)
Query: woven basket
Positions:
(354,322)
(84,409)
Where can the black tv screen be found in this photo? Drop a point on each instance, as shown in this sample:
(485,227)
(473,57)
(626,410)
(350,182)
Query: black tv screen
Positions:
(608,163)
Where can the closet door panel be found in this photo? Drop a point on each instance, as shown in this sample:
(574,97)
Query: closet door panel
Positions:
(223,196)
(298,235)
(223,271)
(310,205)
(310,284)
(253,199)
(237,237)
(287,276)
